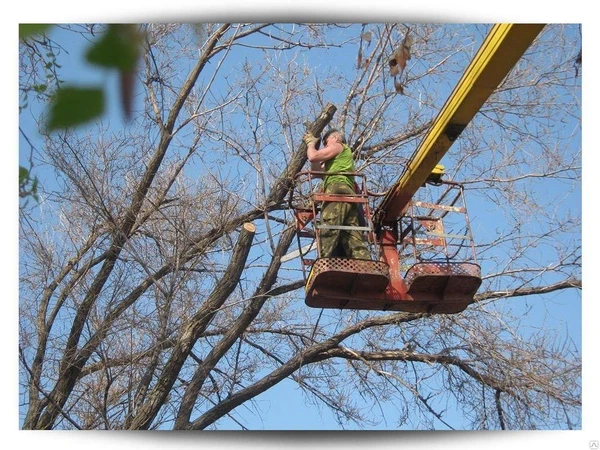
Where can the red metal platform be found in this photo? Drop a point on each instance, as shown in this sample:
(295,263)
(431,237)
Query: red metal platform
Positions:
(360,284)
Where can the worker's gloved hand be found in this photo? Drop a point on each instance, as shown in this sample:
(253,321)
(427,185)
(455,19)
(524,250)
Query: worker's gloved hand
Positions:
(309,138)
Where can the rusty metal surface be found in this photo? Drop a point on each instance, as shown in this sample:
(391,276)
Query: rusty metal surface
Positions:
(443,288)
(443,282)
(349,275)
(327,298)
(442,268)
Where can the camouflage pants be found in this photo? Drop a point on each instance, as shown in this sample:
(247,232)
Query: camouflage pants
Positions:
(340,213)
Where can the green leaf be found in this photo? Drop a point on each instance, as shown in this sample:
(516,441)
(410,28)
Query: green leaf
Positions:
(74,106)
(117,49)
(23,175)
(30,29)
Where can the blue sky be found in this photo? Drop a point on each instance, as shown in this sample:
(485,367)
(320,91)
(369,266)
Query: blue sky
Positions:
(307,418)
(269,406)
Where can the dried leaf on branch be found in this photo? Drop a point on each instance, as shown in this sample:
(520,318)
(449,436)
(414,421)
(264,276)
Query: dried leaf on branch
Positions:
(402,54)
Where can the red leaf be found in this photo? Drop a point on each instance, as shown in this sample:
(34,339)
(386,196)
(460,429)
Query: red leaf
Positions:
(127,85)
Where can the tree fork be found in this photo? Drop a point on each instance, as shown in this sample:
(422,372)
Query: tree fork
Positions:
(279,191)
(197,325)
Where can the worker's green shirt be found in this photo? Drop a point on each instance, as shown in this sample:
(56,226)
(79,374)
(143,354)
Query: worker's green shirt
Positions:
(343,162)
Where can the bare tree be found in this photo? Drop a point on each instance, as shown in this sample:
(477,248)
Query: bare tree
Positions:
(152,292)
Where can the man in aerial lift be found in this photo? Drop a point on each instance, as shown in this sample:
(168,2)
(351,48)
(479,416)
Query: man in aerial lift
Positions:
(336,156)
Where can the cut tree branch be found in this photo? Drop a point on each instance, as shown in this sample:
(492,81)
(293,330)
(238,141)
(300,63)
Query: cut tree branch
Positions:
(190,334)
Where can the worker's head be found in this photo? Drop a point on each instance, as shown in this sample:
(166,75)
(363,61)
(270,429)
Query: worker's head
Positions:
(335,134)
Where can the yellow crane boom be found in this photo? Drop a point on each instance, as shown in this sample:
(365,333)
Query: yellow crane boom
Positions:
(417,269)
(502,48)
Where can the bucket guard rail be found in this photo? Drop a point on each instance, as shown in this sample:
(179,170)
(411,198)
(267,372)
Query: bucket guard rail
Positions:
(425,262)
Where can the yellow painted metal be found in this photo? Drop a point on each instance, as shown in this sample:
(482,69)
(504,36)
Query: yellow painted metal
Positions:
(502,48)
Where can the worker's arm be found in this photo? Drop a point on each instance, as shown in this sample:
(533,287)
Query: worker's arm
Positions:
(325,154)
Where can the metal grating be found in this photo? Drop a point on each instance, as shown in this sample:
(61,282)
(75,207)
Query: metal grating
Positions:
(349,275)
(443,282)
(350,265)
(442,268)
